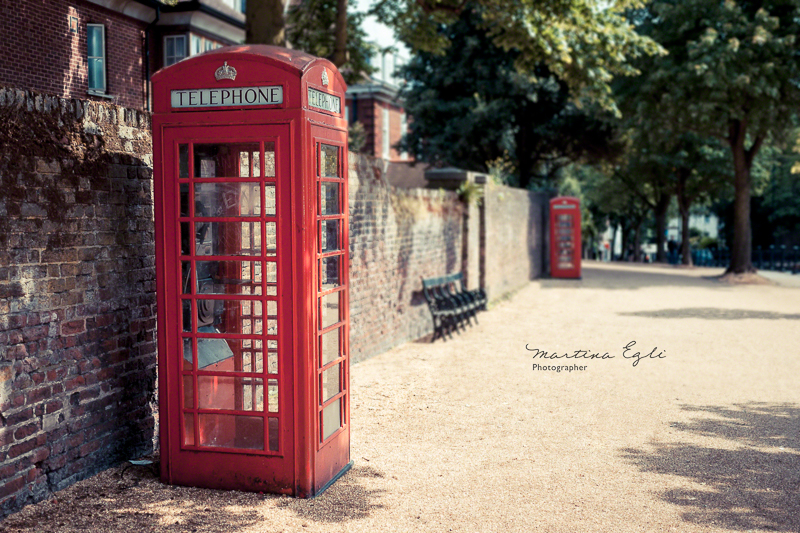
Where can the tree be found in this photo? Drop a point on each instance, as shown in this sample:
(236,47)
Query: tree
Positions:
(265,23)
(584,43)
(643,177)
(471,106)
(606,201)
(315,26)
(323,28)
(731,73)
(699,171)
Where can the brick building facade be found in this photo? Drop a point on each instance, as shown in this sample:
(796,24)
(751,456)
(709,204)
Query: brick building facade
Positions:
(106,50)
(44,48)
(376,106)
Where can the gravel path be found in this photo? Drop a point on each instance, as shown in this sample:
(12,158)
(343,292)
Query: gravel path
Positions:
(465,435)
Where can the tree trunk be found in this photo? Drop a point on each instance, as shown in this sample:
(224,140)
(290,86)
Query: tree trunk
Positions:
(686,249)
(662,205)
(742,246)
(265,22)
(637,242)
(339,57)
(684,203)
(625,239)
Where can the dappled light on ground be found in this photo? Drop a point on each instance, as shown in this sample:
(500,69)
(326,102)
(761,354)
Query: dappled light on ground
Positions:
(744,469)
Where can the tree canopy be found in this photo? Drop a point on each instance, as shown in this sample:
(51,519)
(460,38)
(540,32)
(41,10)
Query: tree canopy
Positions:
(325,28)
(584,43)
(311,26)
(731,73)
(471,107)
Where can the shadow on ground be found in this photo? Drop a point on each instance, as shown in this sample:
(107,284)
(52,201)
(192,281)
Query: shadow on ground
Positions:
(750,483)
(635,277)
(713,313)
(133,499)
(348,499)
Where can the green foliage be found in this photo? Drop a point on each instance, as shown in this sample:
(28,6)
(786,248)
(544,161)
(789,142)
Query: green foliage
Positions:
(728,61)
(356,136)
(731,73)
(776,201)
(707,242)
(311,28)
(584,43)
(470,193)
(472,106)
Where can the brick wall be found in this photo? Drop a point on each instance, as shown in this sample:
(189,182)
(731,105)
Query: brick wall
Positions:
(77,302)
(39,51)
(397,237)
(77,305)
(514,240)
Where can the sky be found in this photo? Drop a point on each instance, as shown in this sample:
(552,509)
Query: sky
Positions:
(377,32)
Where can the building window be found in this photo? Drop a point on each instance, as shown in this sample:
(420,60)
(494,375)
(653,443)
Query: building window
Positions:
(197,45)
(201,44)
(385,134)
(96,47)
(403,132)
(174,49)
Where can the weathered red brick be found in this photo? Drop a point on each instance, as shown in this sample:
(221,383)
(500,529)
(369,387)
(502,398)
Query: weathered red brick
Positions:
(6,436)
(90,447)
(17,352)
(19,417)
(40,455)
(23,432)
(74,383)
(12,486)
(37,395)
(73,327)
(53,406)
(21,448)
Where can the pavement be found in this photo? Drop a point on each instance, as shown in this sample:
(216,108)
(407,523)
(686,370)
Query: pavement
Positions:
(636,399)
(700,432)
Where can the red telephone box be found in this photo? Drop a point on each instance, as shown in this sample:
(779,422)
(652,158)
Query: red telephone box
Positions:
(565,237)
(250,163)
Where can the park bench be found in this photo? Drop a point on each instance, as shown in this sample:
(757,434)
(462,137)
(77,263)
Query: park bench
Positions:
(450,304)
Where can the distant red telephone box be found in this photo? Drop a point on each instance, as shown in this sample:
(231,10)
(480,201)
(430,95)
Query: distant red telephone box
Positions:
(250,162)
(565,237)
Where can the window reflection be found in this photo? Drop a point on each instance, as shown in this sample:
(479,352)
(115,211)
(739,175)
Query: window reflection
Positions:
(329,161)
(227,199)
(226,160)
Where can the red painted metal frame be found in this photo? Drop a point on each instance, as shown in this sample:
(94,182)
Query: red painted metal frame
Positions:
(304,464)
(565,237)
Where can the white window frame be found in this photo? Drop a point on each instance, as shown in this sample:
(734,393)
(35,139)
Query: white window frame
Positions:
(103,58)
(176,38)
(196,45)
(403,132)
(385,132)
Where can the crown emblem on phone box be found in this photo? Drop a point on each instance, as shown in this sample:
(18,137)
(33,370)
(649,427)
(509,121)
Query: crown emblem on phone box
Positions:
(225,72)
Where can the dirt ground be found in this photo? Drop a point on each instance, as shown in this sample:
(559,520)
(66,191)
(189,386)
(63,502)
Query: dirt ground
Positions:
(469,435)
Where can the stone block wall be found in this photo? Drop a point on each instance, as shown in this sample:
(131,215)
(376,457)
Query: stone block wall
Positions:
(397,237)
(515,223)
(77,301)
